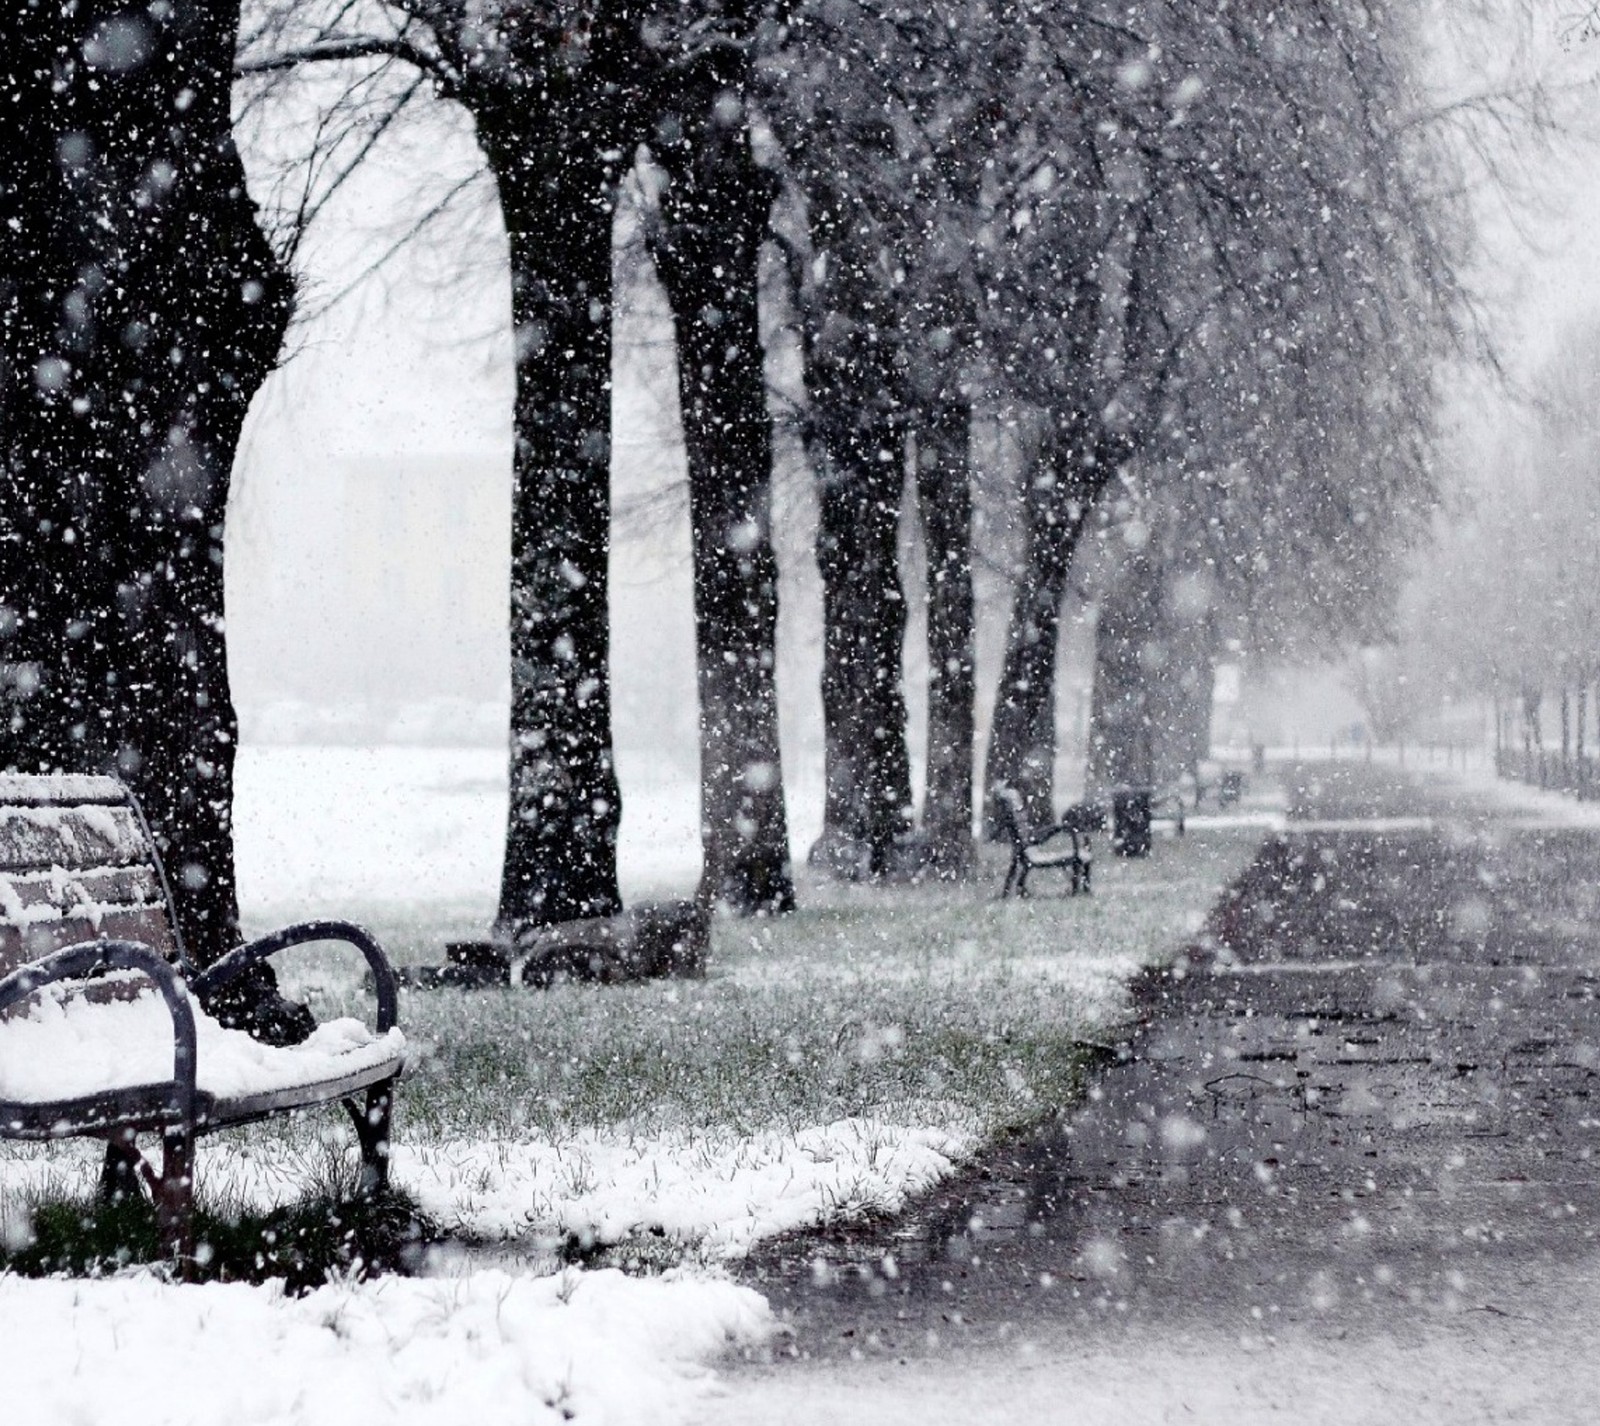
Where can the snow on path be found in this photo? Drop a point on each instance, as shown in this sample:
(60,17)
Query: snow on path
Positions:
(485,1349)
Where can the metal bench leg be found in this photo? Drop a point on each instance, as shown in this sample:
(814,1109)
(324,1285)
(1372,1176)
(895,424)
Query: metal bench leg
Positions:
(174,1196)
(372,1121)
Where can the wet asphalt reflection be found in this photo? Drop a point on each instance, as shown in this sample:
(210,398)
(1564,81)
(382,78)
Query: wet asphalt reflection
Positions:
(1366,1102)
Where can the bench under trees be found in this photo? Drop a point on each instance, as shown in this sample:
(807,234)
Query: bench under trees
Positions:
(1063,845)
(108,1031)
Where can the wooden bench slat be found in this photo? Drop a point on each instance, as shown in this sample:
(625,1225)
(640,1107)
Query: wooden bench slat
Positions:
(55,789)
(36,940)
(73,838)
(44,910)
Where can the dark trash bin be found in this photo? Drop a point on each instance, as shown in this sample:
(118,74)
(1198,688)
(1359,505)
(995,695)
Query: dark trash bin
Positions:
(1130,821)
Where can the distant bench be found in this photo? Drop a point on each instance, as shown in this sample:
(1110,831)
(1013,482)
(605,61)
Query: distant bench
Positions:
(1062,846)
(102,1033)
(1065,845)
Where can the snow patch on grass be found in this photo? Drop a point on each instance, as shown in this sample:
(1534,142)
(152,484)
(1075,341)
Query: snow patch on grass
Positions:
(718,1192)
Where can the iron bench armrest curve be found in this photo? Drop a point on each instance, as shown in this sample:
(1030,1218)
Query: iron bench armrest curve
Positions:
(89,958)
(242,957)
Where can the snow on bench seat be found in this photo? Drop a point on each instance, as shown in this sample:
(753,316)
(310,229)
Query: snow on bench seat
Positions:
(99,1034)
(67,1047)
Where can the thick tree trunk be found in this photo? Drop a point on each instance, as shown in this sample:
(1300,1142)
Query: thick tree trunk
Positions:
(1566,731)
(142,310)
(556,191)
(1075,461)
(1059,488)
(1180,670)
(868,770)
(856,435)
(1581,720)
(944,494)
(1129,666)
(706,245)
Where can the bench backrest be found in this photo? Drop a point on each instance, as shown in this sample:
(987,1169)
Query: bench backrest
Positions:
(1008,816)
(76,864)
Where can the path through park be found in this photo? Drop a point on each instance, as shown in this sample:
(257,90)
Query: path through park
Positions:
(1344,1170)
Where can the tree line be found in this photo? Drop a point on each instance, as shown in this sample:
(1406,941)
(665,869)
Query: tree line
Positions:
(1504,614)
(1199,262)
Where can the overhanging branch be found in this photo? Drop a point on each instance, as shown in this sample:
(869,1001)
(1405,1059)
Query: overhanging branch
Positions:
(340,48)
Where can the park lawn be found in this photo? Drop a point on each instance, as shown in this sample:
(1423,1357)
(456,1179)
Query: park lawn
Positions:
(831,1064)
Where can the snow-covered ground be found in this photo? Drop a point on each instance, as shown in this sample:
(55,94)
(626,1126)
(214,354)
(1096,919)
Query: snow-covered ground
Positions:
(325,828)
(833,1063)
(485,1348)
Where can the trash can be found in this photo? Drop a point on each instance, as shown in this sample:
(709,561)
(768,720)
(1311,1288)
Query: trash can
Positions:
(1130,821)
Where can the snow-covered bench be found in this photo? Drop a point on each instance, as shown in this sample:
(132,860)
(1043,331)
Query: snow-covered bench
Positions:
(102,1033)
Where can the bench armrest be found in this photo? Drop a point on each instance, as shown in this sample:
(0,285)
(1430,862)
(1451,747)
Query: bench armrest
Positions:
(89,958)
(383,977)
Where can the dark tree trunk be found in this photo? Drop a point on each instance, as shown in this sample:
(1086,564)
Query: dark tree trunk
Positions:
(142,309)
(868,769)
(1059,488)
(1533,768)
(556,190)
(1566,731)
(1189,743)
(713,217)
(1129,666)
(1181,674)
(944,495)
(1077,458)
(1581,719)
(856,436)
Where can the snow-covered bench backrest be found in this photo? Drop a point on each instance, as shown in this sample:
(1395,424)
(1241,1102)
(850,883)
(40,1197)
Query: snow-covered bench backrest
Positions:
(76,864)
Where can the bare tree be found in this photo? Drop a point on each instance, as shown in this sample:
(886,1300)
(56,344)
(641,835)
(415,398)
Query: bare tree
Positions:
(560,113)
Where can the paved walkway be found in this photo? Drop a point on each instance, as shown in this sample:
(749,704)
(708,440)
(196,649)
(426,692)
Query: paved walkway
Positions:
(1344,1171)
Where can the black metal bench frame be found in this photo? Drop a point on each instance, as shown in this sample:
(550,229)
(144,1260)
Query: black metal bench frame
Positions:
(177,1109)
(1030,849)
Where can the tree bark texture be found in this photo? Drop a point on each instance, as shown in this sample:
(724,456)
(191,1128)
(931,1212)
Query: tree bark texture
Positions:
(1060,488)
(557,188)
(856,435)
(1582,719)
(1079,457)
(1176,662)
(1129,667)
(1184,703)
(944,500)
(140,310)
(706,246)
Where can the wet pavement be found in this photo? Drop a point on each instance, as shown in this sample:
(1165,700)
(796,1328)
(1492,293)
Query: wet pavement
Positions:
(1365,1107)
